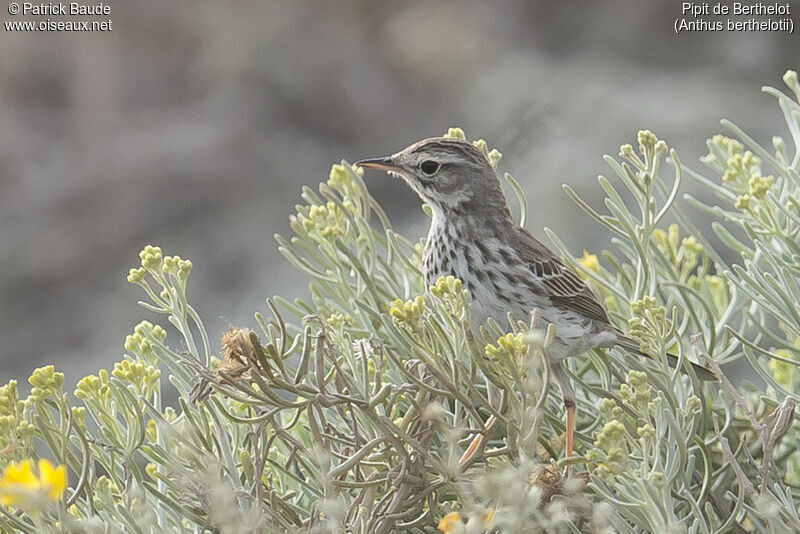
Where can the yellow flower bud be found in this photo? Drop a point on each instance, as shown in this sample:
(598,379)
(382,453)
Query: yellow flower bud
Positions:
(589,261)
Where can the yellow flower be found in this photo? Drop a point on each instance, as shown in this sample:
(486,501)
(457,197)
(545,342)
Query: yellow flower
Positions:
(451,523)
(740,167)
(721,149)
(456,133)
(646,139)
(759,185)
(742,202)
(589,261)
(19,485)
(152,257)
(53,479)
(450,291)
(338,178)
(18,479)
(409,311)
(509,347)
(445,285)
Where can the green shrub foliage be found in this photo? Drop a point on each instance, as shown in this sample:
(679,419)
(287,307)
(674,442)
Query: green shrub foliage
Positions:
(350,412)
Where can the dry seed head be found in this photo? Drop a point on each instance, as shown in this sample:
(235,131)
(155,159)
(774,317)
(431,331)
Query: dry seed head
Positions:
(237,351)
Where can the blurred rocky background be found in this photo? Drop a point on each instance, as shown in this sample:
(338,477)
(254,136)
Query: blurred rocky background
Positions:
(193,125)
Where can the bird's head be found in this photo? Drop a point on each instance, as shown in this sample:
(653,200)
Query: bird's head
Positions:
(449,174)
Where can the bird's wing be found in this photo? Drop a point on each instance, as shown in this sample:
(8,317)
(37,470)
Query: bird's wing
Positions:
(566,289)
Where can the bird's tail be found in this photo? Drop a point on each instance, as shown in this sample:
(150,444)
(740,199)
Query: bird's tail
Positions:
(703,373)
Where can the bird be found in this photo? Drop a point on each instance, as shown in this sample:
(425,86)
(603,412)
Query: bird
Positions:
(473,237)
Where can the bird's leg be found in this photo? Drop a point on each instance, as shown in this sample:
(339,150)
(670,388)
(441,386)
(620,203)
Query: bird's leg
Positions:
(569,404)
(568,394)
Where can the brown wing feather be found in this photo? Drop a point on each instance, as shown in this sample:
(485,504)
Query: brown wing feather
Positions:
(566,288)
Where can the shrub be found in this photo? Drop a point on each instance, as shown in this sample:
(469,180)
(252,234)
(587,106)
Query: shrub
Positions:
(349,413)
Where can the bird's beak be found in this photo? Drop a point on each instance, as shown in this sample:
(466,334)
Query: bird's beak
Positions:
(385,163)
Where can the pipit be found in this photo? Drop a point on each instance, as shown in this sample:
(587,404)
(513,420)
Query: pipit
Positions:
(505,269)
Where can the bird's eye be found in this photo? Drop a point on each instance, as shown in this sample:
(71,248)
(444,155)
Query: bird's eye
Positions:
(429,167)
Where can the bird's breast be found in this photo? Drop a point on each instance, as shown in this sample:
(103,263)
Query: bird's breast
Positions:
(441,257)
(498,281)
